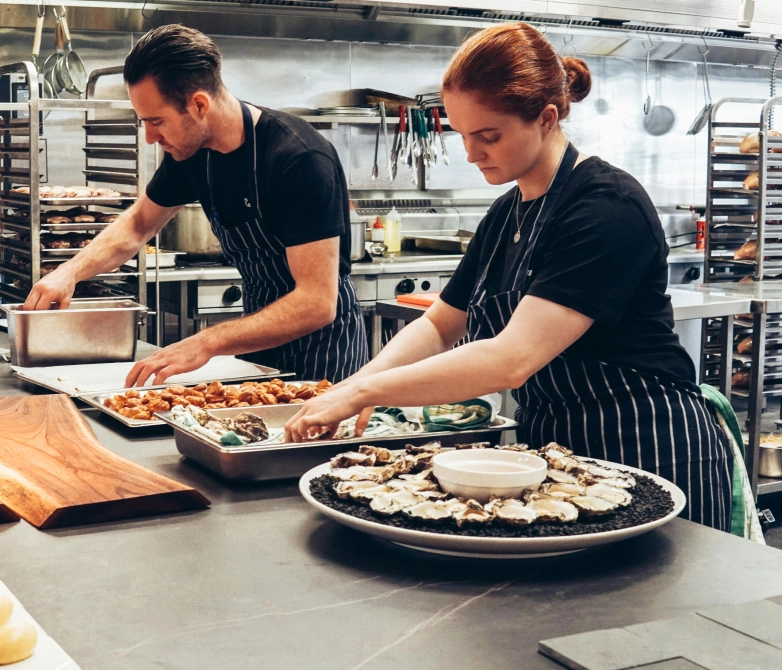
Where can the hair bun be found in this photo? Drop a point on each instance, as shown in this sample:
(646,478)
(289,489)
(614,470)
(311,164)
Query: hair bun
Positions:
(579,80)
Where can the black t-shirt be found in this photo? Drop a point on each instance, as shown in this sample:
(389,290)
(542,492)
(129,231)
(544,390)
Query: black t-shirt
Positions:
(302,190)
(603,254)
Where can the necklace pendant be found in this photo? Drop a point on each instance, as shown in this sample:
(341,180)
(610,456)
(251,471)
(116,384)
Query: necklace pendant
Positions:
(517,236)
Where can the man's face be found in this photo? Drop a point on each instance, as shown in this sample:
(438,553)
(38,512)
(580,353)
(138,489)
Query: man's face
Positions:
(180,133)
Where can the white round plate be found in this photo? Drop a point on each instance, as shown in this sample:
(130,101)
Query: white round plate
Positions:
(495,547)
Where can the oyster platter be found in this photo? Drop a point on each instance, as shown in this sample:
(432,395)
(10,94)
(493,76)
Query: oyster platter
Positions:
(581,503)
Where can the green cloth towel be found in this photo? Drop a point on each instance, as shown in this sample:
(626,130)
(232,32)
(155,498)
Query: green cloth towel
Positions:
(466,415)
(744,520)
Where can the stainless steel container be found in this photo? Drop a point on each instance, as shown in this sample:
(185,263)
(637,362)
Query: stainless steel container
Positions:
(770,461)
(284,460)
(358,233)
(191,232)
(89,331)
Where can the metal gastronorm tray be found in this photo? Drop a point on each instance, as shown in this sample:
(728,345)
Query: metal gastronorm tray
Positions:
(284,460)
(96,399)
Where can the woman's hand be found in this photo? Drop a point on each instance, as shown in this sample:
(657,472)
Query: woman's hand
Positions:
(325,413)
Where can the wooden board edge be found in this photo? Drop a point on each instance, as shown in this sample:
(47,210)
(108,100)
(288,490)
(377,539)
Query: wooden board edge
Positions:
(7,515)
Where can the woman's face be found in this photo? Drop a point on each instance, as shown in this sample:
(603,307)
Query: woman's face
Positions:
(503,146)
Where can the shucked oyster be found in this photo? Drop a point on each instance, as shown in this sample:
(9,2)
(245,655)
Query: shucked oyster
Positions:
(562,490)
(516,447)
(473,445)
(394,501)
(429,510)
(616,495)
(381,454)
(414,485)
(359,472)
(351,458)
(512,512)
(592,506)
(363,491)
(561,477)
(429,448)
(551,509)
(472,514)
(595,474)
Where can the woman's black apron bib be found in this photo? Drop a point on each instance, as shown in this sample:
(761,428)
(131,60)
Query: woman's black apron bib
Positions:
(333,352)
(607,411)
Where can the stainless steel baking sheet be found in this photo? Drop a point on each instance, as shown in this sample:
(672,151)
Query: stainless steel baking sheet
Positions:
(76,380)
(96,399)
(285,460)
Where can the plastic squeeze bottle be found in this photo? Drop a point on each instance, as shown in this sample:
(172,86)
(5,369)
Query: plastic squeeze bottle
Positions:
(393,234)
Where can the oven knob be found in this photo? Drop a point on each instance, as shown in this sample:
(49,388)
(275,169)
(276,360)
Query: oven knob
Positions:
(693,274)
(425,285)
(405,286)
(232,294)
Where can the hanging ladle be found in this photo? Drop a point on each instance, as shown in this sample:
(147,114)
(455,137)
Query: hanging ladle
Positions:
(648,101)
(703,116)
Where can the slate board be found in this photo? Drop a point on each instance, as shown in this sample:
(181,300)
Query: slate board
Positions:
(717,638)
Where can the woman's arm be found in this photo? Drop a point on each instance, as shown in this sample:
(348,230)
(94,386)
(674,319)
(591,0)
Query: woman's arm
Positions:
(440,327)
(538,332)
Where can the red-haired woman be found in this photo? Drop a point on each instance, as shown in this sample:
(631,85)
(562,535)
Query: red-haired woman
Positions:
(561,291)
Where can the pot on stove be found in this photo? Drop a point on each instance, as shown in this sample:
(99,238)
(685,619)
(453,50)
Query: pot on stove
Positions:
(190,231)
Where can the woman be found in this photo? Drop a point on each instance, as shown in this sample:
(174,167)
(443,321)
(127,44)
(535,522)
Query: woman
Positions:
(561,291)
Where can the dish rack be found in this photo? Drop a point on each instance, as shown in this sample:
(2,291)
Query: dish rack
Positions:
(114,158)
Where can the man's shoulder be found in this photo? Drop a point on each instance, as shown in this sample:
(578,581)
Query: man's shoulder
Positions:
(288,137)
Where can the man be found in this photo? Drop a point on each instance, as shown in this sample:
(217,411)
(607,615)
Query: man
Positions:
(275,193)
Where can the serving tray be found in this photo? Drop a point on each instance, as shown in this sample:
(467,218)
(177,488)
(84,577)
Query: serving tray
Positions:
(494,547)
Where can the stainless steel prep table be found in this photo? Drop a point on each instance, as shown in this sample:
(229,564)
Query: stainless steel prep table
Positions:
(262,580)
(689,302)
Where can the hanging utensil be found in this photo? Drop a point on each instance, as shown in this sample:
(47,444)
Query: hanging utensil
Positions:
(414,133)
(70,70)
(385,137)
(403,146)
(394,152)
(424,139)
(703,116)
(375,170)
(649,49)
(48,65)
(398,142)
(439,126)
(38,33)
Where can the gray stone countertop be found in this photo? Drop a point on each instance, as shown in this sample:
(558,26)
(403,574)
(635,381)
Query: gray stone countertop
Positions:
(261,580)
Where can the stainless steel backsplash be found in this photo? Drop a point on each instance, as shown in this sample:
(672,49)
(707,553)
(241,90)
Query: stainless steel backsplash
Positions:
(305,74)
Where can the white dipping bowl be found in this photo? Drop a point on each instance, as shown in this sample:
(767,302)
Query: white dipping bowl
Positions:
(481,474)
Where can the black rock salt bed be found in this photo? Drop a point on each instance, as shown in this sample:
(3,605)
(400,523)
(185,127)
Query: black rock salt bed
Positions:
(650,502)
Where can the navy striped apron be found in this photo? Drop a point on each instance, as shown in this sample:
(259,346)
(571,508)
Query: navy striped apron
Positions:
(606,411)
(334,352)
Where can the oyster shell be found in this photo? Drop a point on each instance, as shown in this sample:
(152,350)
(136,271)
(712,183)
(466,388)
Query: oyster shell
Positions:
(592,506)
(561,477)
(394,501)
(512,512)
(412,484)
(429,448)
(424,474)
(362,491)
(473,445)
(360,472)
(616,495)
(351,458)
(563,490)
(472,514)
(429,510)
(251,426)
(516,447)
(594,474)
(381,454)
(551,509)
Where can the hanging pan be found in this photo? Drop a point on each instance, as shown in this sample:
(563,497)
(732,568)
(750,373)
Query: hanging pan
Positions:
(51,86)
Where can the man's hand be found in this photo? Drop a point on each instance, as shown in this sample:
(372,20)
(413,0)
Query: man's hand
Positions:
(57,288)
(184,356)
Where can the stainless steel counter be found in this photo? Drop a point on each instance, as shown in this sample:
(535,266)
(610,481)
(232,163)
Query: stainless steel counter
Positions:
(262,580)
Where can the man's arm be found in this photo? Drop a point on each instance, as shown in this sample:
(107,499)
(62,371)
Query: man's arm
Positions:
(309,307)
(110,249)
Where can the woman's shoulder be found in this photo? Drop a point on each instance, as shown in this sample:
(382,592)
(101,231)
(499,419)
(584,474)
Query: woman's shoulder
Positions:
(595,177)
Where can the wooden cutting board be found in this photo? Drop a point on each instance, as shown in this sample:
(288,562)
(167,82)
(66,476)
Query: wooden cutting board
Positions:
(6,515)
(55,473)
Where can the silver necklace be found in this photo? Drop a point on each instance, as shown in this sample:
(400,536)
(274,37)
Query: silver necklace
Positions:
(517,236)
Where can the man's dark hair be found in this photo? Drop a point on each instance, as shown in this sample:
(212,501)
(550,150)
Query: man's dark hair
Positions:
(180,60)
